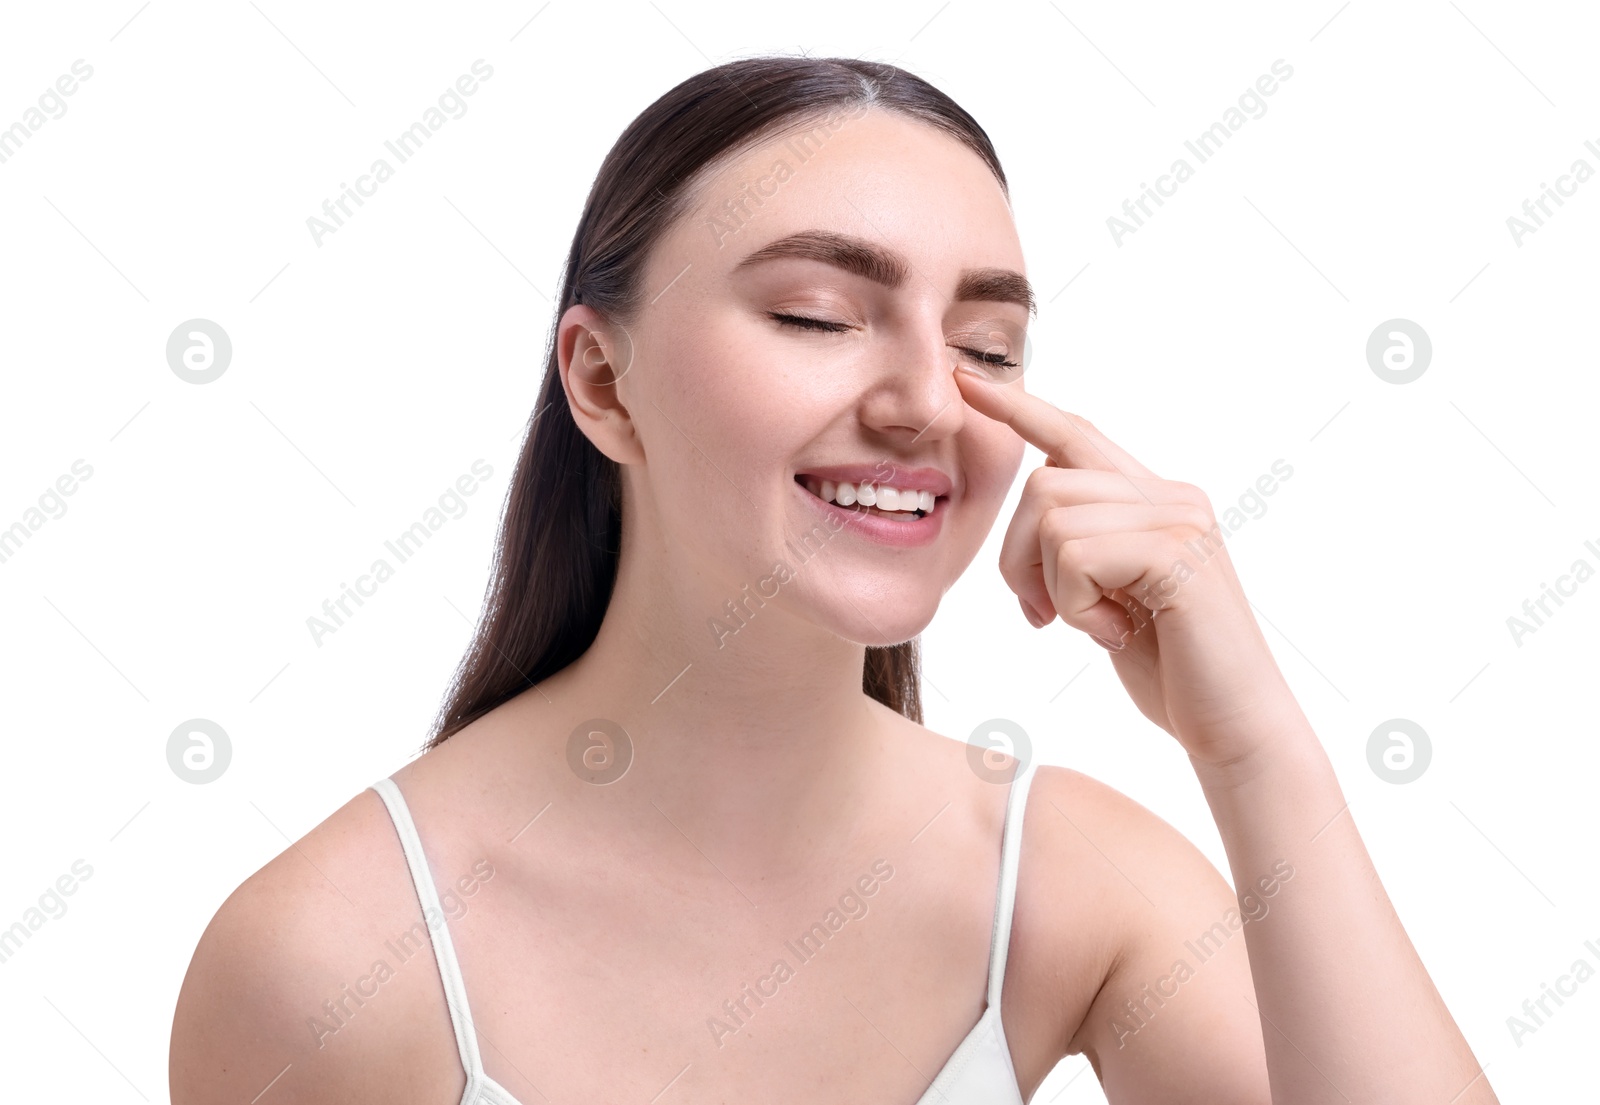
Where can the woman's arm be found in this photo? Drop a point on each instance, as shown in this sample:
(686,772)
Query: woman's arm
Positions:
(1347,1009)
(1139,563)
(1198,977)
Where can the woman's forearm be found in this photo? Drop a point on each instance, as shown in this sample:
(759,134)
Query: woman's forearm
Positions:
(1348,1012)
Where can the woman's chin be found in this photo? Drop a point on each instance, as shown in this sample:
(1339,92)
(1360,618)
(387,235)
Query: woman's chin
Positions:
(879,625)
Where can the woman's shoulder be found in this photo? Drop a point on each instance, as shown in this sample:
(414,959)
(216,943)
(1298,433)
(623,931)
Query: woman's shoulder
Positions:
(1082,830)
(1106,890)
(295,981)
(1108,893)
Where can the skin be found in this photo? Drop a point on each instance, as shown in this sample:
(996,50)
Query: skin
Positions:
(763,784)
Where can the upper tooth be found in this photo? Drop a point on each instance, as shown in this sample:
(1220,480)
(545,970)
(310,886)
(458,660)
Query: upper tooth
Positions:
(882,496)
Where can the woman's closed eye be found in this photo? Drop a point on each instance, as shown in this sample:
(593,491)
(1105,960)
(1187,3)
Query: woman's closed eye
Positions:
(800,322)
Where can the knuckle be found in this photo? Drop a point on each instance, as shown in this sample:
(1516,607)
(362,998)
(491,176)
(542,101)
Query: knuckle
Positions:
(1035,482)
(1072,552)
(1194,496)
(1200,518)
(1055,525)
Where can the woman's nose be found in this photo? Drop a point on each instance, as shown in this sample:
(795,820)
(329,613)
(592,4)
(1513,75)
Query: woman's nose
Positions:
(915,394)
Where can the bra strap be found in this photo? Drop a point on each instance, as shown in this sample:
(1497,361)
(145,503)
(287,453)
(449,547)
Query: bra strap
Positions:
(444,950)
(1006,892)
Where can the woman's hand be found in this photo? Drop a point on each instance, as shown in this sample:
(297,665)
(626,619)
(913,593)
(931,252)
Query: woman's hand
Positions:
(1137,562)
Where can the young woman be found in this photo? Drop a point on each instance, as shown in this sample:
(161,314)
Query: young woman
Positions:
(680,835)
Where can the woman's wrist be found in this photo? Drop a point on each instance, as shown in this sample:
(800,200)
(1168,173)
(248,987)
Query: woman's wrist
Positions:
(1281,744)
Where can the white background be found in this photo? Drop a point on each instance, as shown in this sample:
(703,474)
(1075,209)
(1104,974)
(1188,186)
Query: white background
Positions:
(369,372)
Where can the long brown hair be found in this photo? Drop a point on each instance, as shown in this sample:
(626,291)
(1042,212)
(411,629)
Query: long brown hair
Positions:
(556,552)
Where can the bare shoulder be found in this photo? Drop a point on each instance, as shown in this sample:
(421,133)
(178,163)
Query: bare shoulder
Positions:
(1138,934)
(296,982)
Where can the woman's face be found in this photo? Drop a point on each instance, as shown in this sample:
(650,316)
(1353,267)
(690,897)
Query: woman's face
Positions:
(728,405)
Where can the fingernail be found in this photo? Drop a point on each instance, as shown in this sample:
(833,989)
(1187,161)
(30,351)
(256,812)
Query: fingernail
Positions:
(1029,613)
(974,373)
(1109,646)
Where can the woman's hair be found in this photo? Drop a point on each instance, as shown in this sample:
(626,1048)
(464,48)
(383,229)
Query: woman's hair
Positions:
(556,552)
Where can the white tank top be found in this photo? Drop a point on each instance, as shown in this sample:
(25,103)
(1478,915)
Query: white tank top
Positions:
(978,1072)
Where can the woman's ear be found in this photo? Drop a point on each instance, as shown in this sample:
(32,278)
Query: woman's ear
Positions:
(594,354)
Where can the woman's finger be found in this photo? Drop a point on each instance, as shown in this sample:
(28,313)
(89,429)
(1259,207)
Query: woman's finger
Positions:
(1023,554)
(1048,491)
(1081,572)
(1067,440)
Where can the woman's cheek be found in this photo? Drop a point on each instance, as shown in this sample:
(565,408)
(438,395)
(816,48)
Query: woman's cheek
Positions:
(996,463)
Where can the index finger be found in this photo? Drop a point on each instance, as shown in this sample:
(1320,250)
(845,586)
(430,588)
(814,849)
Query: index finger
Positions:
(1067,440)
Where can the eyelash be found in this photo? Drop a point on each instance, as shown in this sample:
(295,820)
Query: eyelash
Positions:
(800,322)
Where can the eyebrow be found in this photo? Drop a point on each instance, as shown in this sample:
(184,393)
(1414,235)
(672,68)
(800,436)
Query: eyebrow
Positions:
(884,266)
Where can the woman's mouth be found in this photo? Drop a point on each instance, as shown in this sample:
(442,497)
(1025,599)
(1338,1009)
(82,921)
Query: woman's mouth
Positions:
(881,513)
(901,504)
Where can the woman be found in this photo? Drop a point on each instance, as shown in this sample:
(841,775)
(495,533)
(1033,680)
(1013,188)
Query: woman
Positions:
(680,836)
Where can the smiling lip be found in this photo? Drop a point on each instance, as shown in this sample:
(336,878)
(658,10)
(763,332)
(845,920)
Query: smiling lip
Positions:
(885,531)
(907,479)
